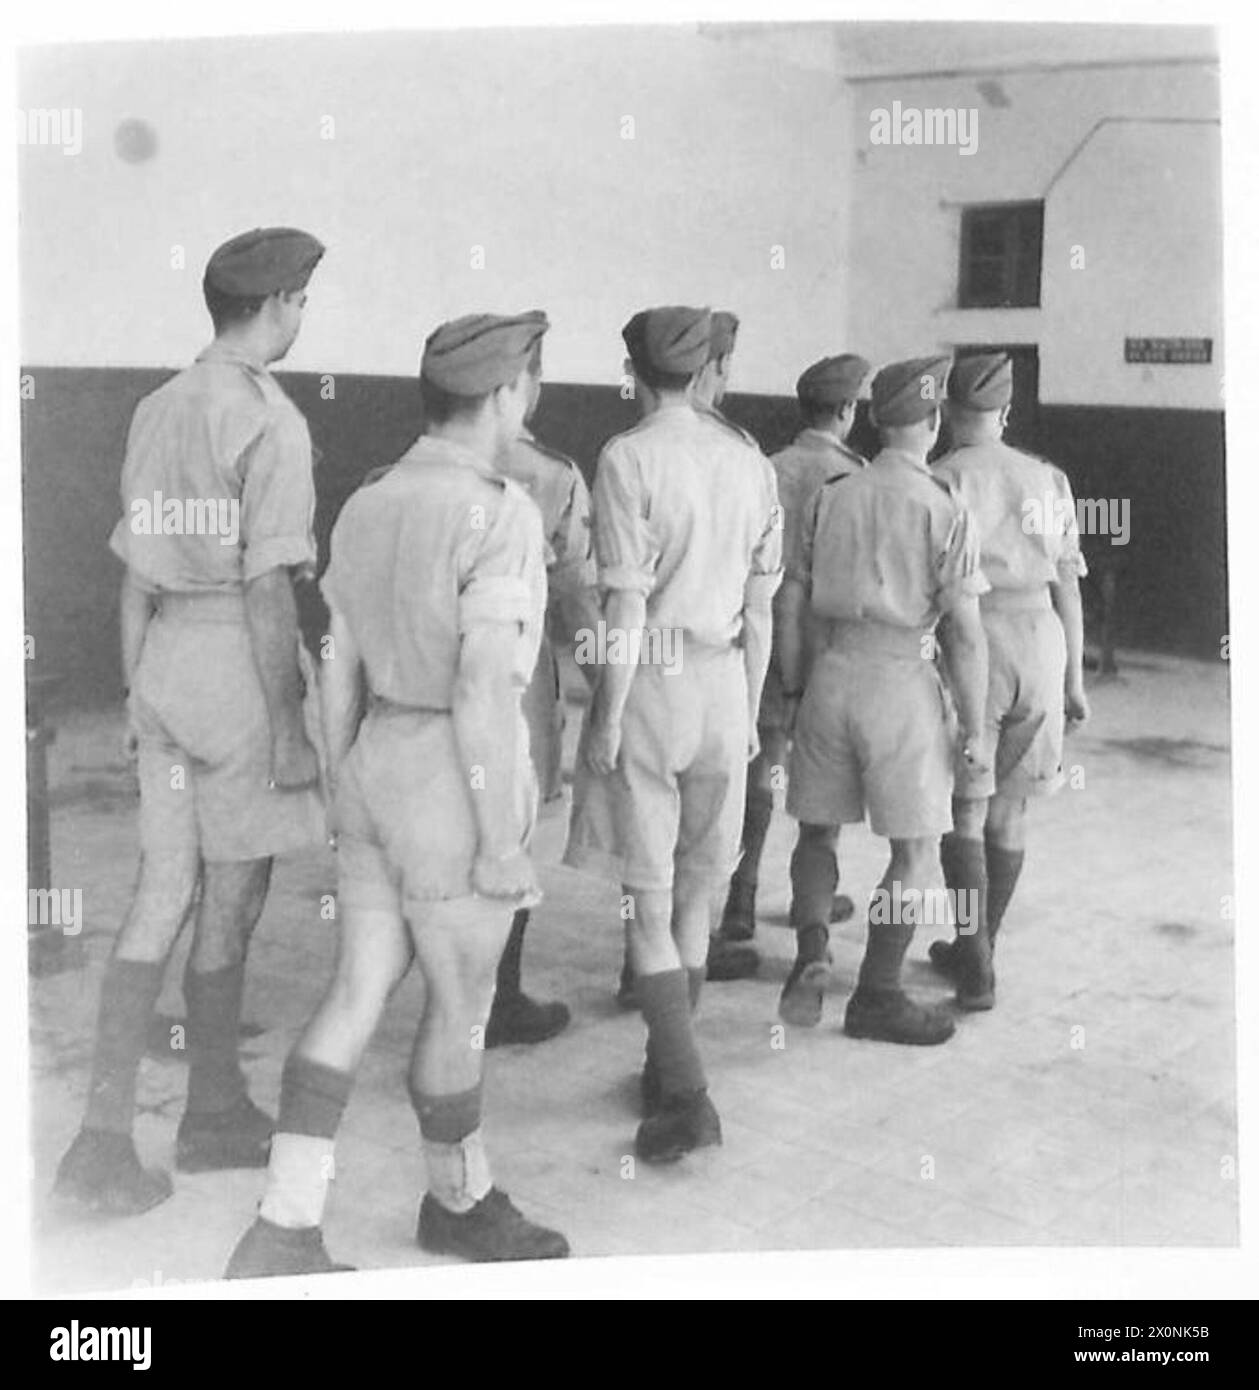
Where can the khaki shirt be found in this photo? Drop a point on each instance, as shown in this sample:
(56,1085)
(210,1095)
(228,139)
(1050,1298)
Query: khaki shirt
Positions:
(814,457)
(439,544)
(890,544)
(217,485)
(686,513)
(1024,513)
(557,487)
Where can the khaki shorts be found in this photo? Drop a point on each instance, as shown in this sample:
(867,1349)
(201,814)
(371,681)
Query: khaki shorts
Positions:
(875,734)
(404,817)
(1024,714)
(674,805)
(205,742)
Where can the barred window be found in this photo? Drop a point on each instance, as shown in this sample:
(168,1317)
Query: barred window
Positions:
(1001,254)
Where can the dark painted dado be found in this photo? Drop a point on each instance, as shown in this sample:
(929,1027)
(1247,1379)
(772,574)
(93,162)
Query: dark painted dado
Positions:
(1170,464)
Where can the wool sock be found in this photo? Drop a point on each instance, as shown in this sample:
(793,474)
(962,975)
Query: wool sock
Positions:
(215,1080)
(129,994)
(758,811)
(665,1002)
(886,944)
(454,1152)
(814,878)
(312,1100)
(1004,868)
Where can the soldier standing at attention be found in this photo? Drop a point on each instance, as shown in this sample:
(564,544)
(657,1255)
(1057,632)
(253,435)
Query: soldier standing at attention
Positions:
(884,553)
(687,537)
(827,392)
(436,589)
(557,487)
(1030,552)
(218,500)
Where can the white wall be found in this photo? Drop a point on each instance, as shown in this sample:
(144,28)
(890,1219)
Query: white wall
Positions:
(1141,198)
(510,141)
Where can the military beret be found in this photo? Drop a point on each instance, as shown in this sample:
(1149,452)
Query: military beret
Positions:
(478,353)
(983,381)
(833,381)
(670,339)
(904,393)
(268,260)
(722,334)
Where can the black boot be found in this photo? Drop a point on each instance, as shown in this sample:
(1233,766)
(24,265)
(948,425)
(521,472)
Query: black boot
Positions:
(731,960)
(800,1003)
(514,1017)
(237,1138)
(101,1173)
(892,1016)
(268,1251)
(680,1124)
(492,1231)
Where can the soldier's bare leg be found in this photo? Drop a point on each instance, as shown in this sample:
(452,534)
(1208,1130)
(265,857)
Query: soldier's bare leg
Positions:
(374,953)
(814,875)
(457,945)
(101,1170)
(879,1008)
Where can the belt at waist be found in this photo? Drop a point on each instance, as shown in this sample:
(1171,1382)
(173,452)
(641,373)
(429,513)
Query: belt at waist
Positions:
(1016,600)
(879,639)
(382,704)
(213,606)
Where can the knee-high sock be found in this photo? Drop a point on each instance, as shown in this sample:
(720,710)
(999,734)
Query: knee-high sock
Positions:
(758,811)
(1004,868)
(508,983)
(312,1100)
(128,997)
(886,944)
(966,872)
(814,878)
(454,1153)
(215,1080)
(664,999)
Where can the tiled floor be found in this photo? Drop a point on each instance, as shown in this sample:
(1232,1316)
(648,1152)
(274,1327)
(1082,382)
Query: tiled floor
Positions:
(1094,1106)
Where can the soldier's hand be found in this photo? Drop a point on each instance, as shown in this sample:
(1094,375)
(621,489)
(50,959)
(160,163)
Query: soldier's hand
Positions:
(604,747)
(508,876)
(1077,708)
(130,740)
(294,763)
(754,740)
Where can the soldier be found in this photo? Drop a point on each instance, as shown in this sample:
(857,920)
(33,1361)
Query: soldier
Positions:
(883,554)
(557,487)
(436,590)
(688,546)
(1030,552)
(827,392)
(218,500)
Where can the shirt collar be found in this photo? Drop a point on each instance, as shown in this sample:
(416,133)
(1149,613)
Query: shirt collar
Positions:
(219,351)
(430,448)
(826,437)
(901,458)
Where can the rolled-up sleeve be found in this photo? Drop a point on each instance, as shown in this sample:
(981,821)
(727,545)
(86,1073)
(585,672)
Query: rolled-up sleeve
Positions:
(625,552)
(958,572)
(277,505)
(766,570)
(498,583)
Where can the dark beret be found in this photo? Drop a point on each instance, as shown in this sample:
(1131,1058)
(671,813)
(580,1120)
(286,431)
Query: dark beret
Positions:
(670,339)
(268,260)
(904,393)
(983,381)
(722,334)
(833,381)
(478,353)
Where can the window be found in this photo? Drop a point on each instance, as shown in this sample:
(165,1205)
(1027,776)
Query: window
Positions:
(1001,249)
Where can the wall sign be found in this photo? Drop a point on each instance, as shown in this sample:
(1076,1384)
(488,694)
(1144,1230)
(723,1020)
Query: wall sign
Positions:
(1167,350)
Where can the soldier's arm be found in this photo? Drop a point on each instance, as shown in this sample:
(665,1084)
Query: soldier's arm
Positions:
(791,606)
(965,649)
(763,582)
(135,611)
(1065,594)
(340,693)
(271,615)
(574,600)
